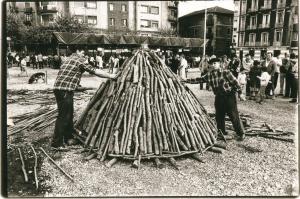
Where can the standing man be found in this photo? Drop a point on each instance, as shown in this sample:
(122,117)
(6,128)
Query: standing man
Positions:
(295,78)
(247,65)
(66,82)
(182,67)
(40,60)
(204,66)
(224,86)
(271,68)
(286,65)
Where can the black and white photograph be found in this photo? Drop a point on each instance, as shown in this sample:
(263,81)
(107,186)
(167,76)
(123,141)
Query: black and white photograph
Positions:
(150,98)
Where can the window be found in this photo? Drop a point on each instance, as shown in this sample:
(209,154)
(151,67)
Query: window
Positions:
(266,20)
(154,10)
(79,18)
(242,23)
(144,9)
(154,24)
(124,8)
(92,20)
(124,22)
(295,36)
(279,17)
(267,3)
(27,5)
(111,7)
(91,4)
(278,36)
(242,39)
(244,6)
(28,17)
(145,23)
(173,13)
(264,38)
(228,31)
(253,22)
(295,19)
(252,38)
(111,21)
(234,29)
(254,4)
(78,3)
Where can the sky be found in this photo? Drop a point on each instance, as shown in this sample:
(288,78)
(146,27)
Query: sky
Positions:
(186,7)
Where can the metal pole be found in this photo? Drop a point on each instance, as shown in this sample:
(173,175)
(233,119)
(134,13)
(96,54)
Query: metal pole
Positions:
(204,36)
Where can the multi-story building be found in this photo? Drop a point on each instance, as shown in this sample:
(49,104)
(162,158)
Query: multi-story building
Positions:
(141,17)
(218,28)
(267,25)
(236,20)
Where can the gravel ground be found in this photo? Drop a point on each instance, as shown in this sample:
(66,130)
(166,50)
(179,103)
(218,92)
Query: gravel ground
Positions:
(237,172)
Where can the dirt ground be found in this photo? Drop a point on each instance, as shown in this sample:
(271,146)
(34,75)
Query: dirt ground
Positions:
(237,172)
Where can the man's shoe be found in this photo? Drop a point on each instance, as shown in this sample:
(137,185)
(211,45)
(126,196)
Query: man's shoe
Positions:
(241,137)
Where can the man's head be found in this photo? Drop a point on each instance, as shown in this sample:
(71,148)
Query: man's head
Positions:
(80,52)
(287,55)
(269,55)
(215,63)
(248,56)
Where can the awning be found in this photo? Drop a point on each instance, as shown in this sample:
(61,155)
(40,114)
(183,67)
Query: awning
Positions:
(125,40)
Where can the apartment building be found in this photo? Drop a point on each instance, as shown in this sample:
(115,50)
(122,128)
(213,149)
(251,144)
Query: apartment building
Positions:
(218,28)
(141,17)
(267,25)
(236,21)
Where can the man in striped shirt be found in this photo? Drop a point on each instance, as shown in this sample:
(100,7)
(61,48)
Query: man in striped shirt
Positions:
(224,86)
(66,82)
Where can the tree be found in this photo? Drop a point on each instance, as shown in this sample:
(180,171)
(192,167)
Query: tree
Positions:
(69,24)
(168,32)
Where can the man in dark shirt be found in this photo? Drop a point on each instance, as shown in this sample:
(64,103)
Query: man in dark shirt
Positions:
(67,80)
(224,85)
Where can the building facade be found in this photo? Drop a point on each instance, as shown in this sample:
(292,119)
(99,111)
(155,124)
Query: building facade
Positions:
(140,17)
(218,29)
(236,20)
(267,25)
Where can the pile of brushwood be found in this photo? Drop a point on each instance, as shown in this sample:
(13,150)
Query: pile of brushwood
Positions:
(146,113)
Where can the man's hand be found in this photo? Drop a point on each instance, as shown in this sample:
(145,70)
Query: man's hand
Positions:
(242,97)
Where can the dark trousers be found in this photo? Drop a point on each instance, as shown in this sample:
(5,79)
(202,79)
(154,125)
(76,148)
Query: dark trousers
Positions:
(226,104)
(64,126)
(288,84)
(276,75)
(294,88)
(271,86)
(41,65)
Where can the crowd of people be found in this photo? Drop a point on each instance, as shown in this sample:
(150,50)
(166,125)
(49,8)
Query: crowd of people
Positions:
(258,78)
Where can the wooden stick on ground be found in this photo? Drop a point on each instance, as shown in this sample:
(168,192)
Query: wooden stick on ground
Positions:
(23,165)
(65,173)
(35,168)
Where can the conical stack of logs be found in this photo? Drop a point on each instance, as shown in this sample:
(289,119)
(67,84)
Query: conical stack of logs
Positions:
(145,113)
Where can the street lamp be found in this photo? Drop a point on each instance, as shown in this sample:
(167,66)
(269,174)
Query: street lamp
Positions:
(8,40)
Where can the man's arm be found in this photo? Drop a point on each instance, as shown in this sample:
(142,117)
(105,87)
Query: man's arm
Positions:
(197,80)
(100,73)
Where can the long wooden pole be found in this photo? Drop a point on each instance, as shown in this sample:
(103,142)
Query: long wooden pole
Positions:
(204,36)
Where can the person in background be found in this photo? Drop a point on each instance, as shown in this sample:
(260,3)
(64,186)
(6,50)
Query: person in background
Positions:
(121,60)
(34,61)
(67,81)
(111,63)
(9,60)
(116,64)
(92,61)
(204,66)
(246,66)
(242,80)
(182,67)
(18,60)
(27,59)
(285,73)
(225,86)
(224,62)
(23,66)
(175,63)
(264,78)
(278,62)
(40,60)
(99,60)
(45,61)
(295,78)
(270,64)
(254,82)
(234,66)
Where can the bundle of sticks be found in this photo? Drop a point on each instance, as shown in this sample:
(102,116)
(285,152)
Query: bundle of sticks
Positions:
(145,113)
(259,128)
(36,120)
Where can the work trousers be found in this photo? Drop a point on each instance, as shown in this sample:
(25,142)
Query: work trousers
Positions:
(271,86)
(226,104)
(282,78)
(294,88)
(276,75)
(288,83)
(64,126)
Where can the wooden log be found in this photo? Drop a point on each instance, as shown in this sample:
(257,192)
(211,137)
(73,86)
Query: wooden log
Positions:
(158,163)
(23,165)
(173,163)
(35,168)
(110,163)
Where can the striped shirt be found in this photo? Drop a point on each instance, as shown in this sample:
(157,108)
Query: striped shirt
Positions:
(221,81)
(69,75)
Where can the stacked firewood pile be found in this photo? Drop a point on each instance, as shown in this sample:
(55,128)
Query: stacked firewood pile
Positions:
(145,113)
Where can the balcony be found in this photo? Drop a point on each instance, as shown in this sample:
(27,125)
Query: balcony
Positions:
(255,9)
(251,27)
(257,44)
(242,28)
(172,18)
(28,10)
(266,7)
(172,4)
(279,24)
(47,9)
(281,5)
(264,26)
(276,43)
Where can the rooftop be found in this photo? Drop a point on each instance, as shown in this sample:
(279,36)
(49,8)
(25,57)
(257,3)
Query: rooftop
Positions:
(215,9)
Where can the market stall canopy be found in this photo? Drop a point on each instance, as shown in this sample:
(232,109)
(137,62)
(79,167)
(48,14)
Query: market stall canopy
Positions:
(100,39)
